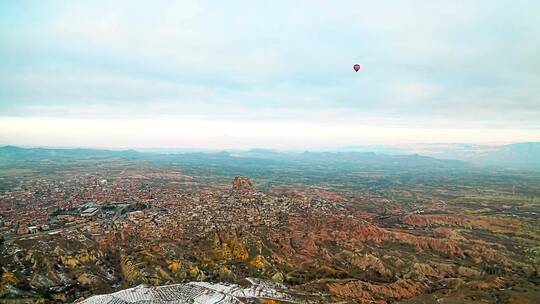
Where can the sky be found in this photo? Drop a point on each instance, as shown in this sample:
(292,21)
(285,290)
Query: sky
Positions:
(273,74)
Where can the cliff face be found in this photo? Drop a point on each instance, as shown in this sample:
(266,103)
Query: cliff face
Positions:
(427,220)
(53,267)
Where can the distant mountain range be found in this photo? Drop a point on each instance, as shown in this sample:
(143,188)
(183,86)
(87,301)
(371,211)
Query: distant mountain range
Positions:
(247,162)
(18,153)
(514,156)
(519,155)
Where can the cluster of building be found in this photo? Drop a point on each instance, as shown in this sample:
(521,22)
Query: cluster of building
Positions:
(40,204)
(239,211)
(151,208)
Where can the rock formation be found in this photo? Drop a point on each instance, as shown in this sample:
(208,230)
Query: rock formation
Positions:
(242,186)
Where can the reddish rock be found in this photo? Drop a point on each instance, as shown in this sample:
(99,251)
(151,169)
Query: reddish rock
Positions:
(371,292)
(428,220)
(497,282)
(242,185)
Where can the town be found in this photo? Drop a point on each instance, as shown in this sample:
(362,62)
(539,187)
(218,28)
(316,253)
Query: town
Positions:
(68,235)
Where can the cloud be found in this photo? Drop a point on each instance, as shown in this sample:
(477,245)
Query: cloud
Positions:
(425,65)
(219,134)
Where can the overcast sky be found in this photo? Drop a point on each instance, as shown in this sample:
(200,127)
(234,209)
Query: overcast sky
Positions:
(222,74)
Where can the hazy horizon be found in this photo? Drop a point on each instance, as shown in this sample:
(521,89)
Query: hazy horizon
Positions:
(359,147)
(208,75)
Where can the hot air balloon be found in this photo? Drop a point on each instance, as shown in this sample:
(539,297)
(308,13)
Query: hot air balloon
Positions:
(356,67)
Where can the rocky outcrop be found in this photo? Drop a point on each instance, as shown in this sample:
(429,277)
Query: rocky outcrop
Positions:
(227,247)
(370,262)
(366,292)
(242,186)
(497,282)
(431,219)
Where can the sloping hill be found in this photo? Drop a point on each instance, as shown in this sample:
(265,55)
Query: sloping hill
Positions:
(519,156)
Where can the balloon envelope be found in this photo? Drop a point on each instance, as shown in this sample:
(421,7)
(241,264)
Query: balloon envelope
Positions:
(356,67)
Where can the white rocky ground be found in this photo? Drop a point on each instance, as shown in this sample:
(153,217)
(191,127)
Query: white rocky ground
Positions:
(193,293)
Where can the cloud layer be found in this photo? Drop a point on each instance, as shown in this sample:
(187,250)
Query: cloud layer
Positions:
(433,65)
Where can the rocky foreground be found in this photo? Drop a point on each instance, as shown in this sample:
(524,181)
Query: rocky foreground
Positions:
(317,246)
